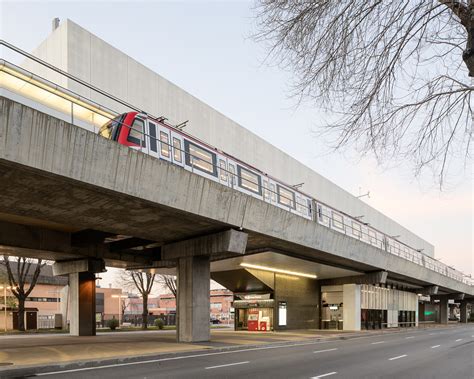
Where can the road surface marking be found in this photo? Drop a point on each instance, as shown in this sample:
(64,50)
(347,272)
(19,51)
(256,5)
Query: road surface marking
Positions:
(409,337)
(400,356)
(459,339)
(323,351)
(228,364)
(376,343)
(322,376)
(435,346)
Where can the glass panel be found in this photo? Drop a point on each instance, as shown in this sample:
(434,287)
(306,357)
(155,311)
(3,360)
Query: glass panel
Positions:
(266,192)
(222,166)
(200,158)
(286,197)
(272,191)
(136,131)
(177,150)
(356,229)
(232,171)
(249,180)
(153,145)
(337,220)
(165,148)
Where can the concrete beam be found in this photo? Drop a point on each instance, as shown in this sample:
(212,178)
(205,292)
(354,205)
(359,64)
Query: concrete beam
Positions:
(450,296)
(81,265)
(429,290)
(379,277)
(231,242)
(128,244)
(89,237)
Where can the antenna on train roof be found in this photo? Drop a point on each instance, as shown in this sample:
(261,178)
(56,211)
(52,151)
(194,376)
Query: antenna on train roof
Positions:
(297,186)
(182,125)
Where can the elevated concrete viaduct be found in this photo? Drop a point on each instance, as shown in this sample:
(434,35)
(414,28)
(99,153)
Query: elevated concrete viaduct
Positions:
(69,194)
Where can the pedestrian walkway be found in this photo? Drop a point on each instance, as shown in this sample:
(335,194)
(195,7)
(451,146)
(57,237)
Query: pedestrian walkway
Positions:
(48,349)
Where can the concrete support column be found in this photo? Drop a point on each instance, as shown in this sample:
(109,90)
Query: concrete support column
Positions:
(443,310)
(421,312)
(463,311)
(351,308)
(82,304)
(193,303)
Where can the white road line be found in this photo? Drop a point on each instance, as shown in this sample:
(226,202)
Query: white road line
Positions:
(323,375)
(229,364)
(400,356)
(459,339)
(409,337)
(323,351)
(376,343)
(435,346)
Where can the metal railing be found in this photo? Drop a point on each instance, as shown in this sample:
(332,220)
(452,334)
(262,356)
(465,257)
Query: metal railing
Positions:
(229,178)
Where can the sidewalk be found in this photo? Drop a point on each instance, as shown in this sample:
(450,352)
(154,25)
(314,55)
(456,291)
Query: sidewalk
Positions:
(59,349)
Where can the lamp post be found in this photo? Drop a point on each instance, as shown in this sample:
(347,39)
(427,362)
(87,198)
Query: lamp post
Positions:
(120,297)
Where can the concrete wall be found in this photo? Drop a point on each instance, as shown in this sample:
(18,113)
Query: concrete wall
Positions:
(302,296)
(106,67)
(351,311)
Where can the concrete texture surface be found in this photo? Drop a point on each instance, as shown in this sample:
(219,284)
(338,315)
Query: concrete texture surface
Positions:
(55,172)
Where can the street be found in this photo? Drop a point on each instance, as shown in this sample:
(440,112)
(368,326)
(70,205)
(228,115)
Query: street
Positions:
(440,353)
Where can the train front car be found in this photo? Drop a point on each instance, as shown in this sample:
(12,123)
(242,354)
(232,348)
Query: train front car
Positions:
(126,129)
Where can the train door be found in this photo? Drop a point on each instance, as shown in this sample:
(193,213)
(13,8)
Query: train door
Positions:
(223,171)
(177,153)
(152,139)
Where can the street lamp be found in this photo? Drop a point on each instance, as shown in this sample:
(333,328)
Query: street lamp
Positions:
(120,297)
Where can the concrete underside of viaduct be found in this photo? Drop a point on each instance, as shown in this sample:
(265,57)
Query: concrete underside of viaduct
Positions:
(67,193)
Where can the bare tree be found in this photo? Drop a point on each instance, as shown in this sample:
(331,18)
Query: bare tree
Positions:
(168,282)
(143,283)
(394,76)
(22,281)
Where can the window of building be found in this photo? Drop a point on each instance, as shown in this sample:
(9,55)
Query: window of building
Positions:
(223,168)
(165,144)
(177,150)
(200,158)
(136,131)
(217,306)
(153,145)
(285,197)
(249,180)
(337,220)
(356,229)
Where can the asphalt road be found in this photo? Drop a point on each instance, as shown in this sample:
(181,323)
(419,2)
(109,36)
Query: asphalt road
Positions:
(435,353)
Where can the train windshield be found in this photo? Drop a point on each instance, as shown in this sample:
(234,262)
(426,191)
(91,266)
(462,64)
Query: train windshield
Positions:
(109,130)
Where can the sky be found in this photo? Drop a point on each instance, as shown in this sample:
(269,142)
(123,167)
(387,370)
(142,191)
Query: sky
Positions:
(206,48)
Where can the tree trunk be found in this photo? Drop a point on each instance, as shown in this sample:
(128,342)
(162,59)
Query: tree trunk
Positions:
(145,312)
(21,314)
(468,54)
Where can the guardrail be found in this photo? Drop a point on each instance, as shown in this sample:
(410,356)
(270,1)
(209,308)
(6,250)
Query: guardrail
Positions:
(78,103)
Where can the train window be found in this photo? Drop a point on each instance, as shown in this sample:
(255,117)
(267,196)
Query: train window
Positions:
(286,197)
(266,193)
(372,237)
(200,158)
(232,173)
(249,180)
(310,206)
(152,129)
(177,150)
(165,147)
(136,131)
(222,166)
(109,130)
(320,213)
(272,192)
(356,229)
(337,220)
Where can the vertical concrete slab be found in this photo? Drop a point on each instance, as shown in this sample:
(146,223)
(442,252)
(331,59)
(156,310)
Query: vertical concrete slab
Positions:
(193,299)
(421,313)
(82,303)
(463,311)
(443,310)
(351,306)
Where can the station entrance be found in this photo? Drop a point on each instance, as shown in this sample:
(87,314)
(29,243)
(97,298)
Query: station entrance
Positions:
(254,312)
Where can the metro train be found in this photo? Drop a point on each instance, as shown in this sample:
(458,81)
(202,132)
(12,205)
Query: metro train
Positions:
(154,136)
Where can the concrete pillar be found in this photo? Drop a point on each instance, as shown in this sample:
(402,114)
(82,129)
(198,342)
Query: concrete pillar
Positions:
(463,311)
(193,303)
(421,312)
(82,304)
(443,310)
(351,306)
